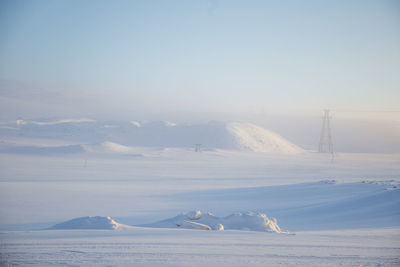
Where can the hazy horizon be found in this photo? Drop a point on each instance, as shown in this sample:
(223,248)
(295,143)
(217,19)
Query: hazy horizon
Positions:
(275,64)
(77,58)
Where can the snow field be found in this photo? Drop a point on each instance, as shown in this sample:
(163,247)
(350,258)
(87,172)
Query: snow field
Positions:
(140,173)
(177,247)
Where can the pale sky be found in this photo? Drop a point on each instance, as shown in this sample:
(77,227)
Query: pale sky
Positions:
(88,57)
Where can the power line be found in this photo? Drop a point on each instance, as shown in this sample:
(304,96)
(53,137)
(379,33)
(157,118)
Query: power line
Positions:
(366,111)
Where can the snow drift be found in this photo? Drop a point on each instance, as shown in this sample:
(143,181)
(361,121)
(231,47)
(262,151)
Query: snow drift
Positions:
(249,221)
(97,222)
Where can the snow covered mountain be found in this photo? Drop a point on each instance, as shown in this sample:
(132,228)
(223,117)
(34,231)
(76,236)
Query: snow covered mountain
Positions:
(121,136)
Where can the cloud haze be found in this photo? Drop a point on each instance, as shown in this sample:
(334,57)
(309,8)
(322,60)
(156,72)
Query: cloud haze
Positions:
(202,60)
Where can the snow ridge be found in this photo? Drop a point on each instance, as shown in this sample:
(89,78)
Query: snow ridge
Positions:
(248,221)
(96,222)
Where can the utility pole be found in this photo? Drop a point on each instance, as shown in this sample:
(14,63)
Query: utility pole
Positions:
(325,140)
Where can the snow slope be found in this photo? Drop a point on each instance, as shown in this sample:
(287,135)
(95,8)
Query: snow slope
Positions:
(96,222)
(251,137)
(237,221)
(309,206)
(139,190)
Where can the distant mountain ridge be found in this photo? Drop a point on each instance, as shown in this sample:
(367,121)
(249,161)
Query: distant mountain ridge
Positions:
(120,135)
(90,222)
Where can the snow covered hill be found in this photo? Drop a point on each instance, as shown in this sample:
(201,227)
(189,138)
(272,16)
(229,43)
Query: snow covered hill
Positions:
(96,222)
(120,136)
(251,137)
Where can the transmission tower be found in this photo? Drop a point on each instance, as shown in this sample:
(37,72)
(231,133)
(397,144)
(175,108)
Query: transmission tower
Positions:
(197,148)
(325,140)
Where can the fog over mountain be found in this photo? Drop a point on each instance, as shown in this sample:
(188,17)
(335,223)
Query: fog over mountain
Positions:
(301,134)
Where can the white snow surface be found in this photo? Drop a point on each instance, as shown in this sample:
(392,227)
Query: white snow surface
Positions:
(53,171)
(173,247)
(238,221)
(90,222)
(162,183)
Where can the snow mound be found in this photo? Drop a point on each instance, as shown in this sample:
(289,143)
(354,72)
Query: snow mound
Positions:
(252,221)
(136,123)
(194,215)
(114,147)
(169,124)
(251,137)
(111,148)
(248,221)
(96,222)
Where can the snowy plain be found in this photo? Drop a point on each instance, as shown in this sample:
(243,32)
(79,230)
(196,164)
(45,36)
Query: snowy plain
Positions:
(343,210)
(173,247)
